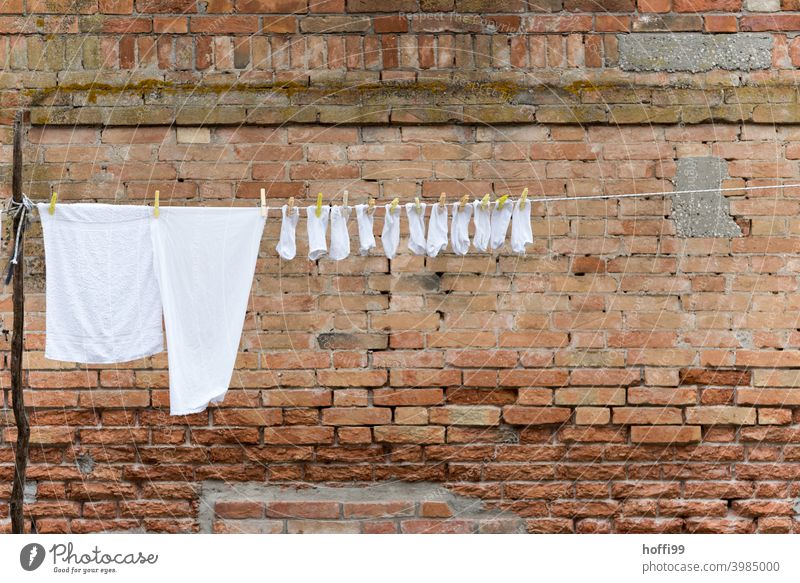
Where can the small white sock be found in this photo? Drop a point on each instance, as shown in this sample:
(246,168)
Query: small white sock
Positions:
(340,237)
(317,227)
(500,219)
(437,230)
(521,233)
(416,228)
(482,218)
(459,228)
(390,236)
(287,248)
(366,235)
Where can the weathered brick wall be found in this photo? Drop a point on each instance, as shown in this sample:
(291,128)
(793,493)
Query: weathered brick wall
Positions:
(622,377)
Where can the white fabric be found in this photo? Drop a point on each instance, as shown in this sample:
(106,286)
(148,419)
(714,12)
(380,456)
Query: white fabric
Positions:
(459,228)
(390,235)
(287,247)
(103,303)
(340,237)
(366,221)
(317,227)
(500,219)
(437,230)
(521,233)
(205,259)
(483,226)
(416,227)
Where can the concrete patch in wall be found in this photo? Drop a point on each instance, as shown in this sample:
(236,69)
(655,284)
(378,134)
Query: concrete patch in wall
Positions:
(413,507)
(705,214)
(694,52)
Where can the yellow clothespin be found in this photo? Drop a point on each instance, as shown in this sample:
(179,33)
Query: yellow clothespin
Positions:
(371,204)
(155,207)
(319,205)
(291,204)
(523,199)
(464,200)
(344,198)
(416,202)
(501,201)
(263,202)
(442,201)
(53,199)
(394,204)
(485,201)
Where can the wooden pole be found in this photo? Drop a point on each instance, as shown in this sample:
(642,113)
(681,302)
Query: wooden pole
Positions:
(18,300)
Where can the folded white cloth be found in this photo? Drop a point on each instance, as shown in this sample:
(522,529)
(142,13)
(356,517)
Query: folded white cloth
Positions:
(390,235)
(521,233)
(287,247)
(437,230)
(366,236)
(340,237)
(416,228)
(317,228)
(500,219)
(459,228)
(103,303)
(205,259)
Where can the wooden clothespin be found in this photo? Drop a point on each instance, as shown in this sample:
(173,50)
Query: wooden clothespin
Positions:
(485,202)
(501,201)
(442,201)
(417,204)
(156,210)
(344,198)
(394,204)
(291,204)
(263,202)
(371,204)
(318,212)
(464,200)
(523,198)
(53,199)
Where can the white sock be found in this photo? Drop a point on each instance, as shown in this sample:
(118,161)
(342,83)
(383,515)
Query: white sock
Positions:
(521,233)
(500,219)
(483,226)
(366,236)
(437,230)
(340,238)
(317,227)
(459,228)
(287,248)
(416,228)
(390,236)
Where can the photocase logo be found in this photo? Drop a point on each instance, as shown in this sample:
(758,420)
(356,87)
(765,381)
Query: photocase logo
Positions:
(31,556)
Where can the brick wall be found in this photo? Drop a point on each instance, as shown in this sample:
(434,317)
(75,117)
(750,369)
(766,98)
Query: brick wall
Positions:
(621,377)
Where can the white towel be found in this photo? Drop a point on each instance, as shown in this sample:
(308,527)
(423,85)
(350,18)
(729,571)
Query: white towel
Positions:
(103,303)
(205,259)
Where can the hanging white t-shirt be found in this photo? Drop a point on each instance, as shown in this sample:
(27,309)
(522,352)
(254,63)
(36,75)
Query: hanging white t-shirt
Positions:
(340,237)
(103,302)
(205,259)
(287,247)
(459,228)
(482,217)
(500,220)
(437,230)
(366,235)
(317,227)
(390,235)
(416,228)
(521,233)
